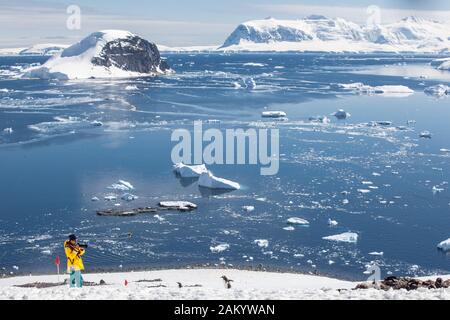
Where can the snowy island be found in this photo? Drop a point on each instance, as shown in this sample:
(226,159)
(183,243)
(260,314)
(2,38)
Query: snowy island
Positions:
(104,54)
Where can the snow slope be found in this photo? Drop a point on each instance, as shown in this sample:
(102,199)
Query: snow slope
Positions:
(246,285)
(319,33)
(95,56)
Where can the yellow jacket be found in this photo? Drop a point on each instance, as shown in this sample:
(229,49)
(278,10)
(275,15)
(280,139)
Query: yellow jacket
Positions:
(73,256)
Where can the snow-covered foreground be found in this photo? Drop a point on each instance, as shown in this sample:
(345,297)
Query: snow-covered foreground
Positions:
(207,284)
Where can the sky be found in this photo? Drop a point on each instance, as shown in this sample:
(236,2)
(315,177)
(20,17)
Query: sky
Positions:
(183,23)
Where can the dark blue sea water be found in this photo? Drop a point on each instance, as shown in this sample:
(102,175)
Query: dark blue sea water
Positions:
(55,161)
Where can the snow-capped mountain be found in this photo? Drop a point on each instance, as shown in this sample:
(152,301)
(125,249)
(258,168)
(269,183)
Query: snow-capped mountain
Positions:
(104,54)
(319,33)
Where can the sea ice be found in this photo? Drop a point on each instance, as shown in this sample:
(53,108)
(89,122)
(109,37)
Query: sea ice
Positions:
(332,223)
(8,130)
(343,237)
(439,90)
(375,253)
(425,134)
(444,245)
(262,243)
(182,205)
(299,221)
(208,180)
(129,197)
(186,171)
(219,248)
(248,208)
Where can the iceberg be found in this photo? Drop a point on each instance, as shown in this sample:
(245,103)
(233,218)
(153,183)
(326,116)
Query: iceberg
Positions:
(387,90)
(262,243)
(298,221)
(439,90)
(185,171)
(179,205)
(122,185)
(219,248)
(8,130)
(332,223)
(208,180)
(444,245)
(343,237)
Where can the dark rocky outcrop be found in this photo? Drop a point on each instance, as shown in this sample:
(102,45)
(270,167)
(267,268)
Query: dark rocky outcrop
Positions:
(398,283)
(132,54)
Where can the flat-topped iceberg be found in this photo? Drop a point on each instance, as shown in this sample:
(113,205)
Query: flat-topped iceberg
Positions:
(386,90)
(179,205)
(208,180)
(343,237)
(297,221)
(186,171)
(103,54)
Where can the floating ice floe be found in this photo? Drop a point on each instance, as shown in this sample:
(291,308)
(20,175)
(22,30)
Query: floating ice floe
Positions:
(444,245)
(440,90)
(343,237)
(273,114)
(289,228)
(179,205)
(445,150)
(129,197)
(363,191)
(131,87)
(185,171)
(425,135)
(219,248)
(8,130)
(332,223)
(110,198)
(95,199)
(253,64)
(262,243)
(122,185)
(341,114)
(298,221)
(208,180)
(248,208)
(437,190)
(375,253)
(320,119)
(388,90)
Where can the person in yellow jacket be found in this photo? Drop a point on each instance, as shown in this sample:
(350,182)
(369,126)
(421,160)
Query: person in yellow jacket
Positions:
(74,261)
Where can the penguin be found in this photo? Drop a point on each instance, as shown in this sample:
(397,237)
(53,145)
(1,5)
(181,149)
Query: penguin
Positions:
(180,285)
(227,282)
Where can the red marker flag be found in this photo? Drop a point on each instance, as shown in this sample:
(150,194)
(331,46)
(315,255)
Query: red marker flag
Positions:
(57,261)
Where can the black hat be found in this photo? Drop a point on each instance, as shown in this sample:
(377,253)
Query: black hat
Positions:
(72,237)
